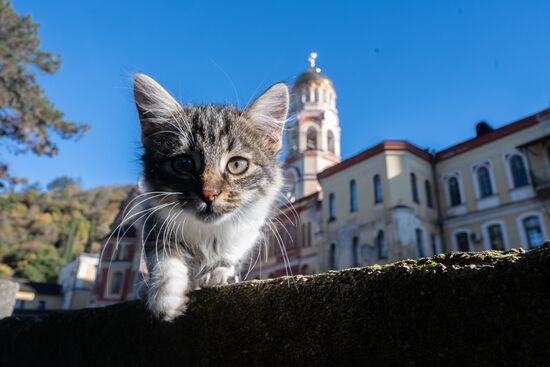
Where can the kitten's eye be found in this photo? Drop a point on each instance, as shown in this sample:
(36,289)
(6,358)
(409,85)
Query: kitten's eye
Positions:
(183,164)
(237,165)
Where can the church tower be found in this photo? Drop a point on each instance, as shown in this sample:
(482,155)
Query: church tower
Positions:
(313,132)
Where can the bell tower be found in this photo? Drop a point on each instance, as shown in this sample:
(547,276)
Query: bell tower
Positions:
(313,132)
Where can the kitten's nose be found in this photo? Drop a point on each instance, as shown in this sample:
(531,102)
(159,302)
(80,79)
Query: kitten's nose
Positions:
(209,195)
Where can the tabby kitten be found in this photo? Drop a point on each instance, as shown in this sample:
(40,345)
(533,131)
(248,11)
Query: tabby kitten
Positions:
(219,173)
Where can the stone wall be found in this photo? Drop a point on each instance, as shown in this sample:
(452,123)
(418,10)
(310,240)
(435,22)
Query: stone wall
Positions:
(480,309)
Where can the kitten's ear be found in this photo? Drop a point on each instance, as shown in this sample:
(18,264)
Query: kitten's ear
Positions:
(154,104)
(268,112)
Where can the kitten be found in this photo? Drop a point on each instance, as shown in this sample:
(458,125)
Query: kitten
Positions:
(219,170)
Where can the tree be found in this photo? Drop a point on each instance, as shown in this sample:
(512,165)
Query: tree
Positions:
(62,183)
(27,117)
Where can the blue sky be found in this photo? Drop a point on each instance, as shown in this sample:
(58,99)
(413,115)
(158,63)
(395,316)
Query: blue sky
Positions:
(424,71)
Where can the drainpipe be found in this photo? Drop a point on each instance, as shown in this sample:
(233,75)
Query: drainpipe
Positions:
(440,221)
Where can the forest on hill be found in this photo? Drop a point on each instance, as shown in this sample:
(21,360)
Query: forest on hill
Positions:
(40,231)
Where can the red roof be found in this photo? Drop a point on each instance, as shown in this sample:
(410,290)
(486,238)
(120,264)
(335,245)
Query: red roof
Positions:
(501,132)
(445,153)
(371,152)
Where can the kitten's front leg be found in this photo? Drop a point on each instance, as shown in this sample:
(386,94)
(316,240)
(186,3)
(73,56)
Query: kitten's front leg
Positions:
(168,288)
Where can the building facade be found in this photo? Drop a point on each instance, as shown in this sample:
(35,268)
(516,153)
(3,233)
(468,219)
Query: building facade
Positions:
(35,298)
(77,281)
(395,200)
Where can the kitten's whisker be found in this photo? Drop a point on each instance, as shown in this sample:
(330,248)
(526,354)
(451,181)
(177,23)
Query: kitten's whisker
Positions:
(230,81)
(280,242)
(161,231)
(287,217)
(285,256)
(116,230)
(144,238)
(291,206)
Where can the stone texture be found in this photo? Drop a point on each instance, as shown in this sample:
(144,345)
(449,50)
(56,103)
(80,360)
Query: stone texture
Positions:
(8,290)
(480,309)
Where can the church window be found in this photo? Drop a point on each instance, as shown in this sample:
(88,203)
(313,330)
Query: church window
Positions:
(311,143)
(330,142)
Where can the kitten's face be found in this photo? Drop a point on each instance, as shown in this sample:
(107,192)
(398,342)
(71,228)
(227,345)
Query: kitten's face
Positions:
(221,160)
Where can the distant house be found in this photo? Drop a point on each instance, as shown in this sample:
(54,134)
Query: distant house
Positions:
(34,298)
(77,280)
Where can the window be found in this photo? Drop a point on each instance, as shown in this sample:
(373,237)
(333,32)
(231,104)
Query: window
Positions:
(330,142)
(496,237)
(484,182)
(309,234)
(352,196)
(331,207)
(377,182)
(434,243)
(355,251)
(115,285)
(533,231)
(381,245)
(519,173)
(311,138)
(304,270)
(414,188)
(304,235)
(462,241)
(454,192)
(429,197)
(332,257)
(419,243)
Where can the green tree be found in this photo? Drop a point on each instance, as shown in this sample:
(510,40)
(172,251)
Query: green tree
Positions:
(27,117)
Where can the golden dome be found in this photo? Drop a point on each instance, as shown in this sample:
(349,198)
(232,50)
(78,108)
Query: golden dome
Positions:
(312,76)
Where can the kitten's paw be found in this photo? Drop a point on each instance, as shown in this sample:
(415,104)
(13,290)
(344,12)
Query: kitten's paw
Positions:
(219,276)
(167,306)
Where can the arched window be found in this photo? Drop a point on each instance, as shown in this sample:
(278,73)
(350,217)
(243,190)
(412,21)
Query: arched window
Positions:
(331,207)
(377,183)
(429,197)
(414,188)
(454,192)
(330,142)
(381,245)
(332,257)
(484,182)
(311,143)
(496,237)
(290,188)
(352,196)
(115,285)
(533,231)
(462,241)
(316,95)
(519,173)
(355,251)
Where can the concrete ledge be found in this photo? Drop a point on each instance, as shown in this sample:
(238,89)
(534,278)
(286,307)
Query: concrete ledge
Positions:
(478,309)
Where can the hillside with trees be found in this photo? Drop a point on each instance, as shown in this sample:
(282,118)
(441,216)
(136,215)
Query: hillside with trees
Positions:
(40,231)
